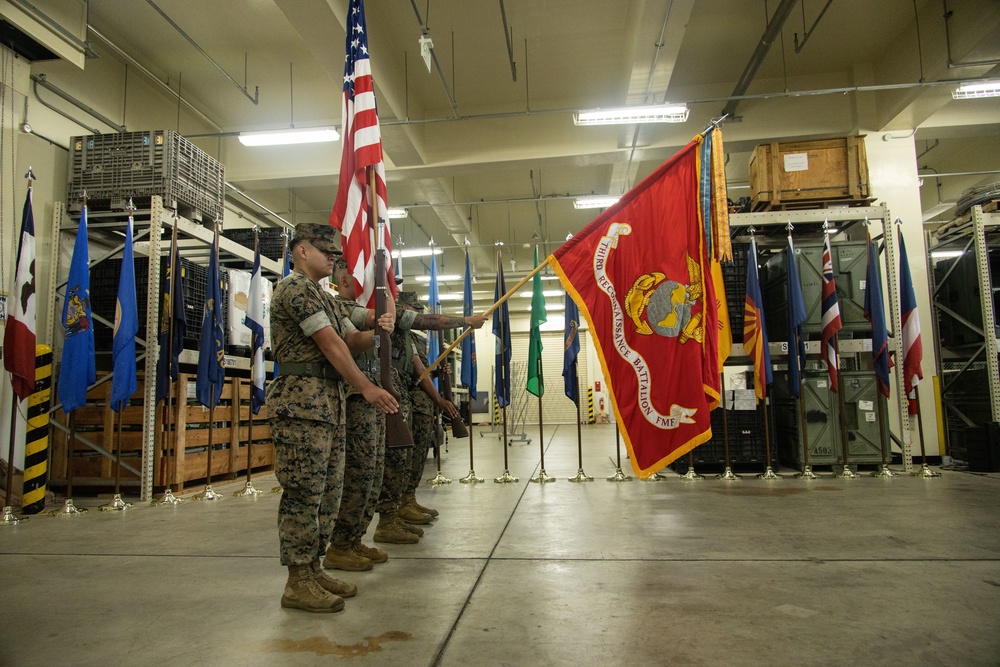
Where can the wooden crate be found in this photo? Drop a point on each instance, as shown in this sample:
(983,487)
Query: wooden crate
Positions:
(802,174)
(186,438)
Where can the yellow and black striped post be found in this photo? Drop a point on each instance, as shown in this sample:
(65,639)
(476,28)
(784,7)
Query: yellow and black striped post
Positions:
(496,410)
(590,405)
(36,437)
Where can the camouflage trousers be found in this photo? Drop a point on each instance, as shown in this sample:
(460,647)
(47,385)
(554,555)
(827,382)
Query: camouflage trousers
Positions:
(364,462)
(423,439)
(397,465)
(309,465)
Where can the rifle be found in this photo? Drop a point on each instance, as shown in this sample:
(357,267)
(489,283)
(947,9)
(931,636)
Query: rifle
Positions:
(397,431)
(458,427)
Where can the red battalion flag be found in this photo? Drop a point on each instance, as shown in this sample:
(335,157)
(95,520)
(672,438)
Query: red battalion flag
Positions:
(640,273)
(19,335)
(913,349)
(362,149)
(831,316)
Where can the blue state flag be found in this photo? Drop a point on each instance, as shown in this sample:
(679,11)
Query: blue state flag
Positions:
(255,322)
(571,350)
(78,368)
(875,313)
(123,381)
(796,318)
(173,326)
(501,329)
(470,372)
(211,373)
(434,303)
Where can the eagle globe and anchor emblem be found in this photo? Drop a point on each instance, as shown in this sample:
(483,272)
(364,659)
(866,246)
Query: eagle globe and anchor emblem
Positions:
(664,307)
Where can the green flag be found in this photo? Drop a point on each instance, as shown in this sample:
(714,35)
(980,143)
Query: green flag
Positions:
(535,384)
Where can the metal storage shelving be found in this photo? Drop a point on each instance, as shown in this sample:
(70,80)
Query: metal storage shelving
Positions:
(964,289)
(771,236)
(151,244)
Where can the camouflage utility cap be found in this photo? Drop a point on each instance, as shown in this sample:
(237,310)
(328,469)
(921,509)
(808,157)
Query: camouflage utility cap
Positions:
(323,237)
(410,299)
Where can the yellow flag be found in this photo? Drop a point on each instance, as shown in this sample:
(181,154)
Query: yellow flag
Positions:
(725,331)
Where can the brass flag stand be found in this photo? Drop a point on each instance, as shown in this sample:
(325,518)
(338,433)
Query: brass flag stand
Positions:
(69,509)
(768,471)
(255,301)
(542,477)
(883,469)
(580,475)
(472,478)
(846,473)
(9,518)
(117,504)
(619,476)
(807,472)
(925,472)
(439,478)
(249,491)
(727,475)
(506,477)
(209,493)
(691,475)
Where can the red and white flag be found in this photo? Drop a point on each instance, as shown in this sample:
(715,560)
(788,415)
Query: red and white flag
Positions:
(913,349)
(19,336)
(831,316)
(362,150)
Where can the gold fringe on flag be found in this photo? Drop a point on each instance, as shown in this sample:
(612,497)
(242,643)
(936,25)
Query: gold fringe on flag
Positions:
(721,244)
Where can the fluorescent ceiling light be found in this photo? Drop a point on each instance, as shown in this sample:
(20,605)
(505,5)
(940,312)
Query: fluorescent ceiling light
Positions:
(419,252)
(311,135)
(443,278)
(595,202)
(457,296)
(968,91)
(548,292)
(397,212)
(656,113)
(946,254)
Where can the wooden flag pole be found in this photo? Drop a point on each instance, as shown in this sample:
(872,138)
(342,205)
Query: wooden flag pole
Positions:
(506,477)
(542,477)
(580,475)
(117,504)
(727,475)
(883,469)
(9,518)
(439,478)
(619,475)
(209,493)
(846,473)
(489,311)
(168,495)
(472,478)
(68,509)
(768,471)
(807,472)
(924,472)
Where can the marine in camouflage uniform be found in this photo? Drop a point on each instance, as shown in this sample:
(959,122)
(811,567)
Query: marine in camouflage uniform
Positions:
(306,407)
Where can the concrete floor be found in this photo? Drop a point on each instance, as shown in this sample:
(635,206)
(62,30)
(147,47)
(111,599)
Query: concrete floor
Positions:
(830,572)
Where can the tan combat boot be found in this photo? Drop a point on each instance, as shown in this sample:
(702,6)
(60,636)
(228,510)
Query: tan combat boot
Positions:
(411,514)
(302,591)
(411,500)
(331,585)
(388,530)
(419,532)
(347,559)
(374,554)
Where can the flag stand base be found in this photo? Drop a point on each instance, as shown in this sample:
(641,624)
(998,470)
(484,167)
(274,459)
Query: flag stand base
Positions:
(69,509)
(438,479)
(9,518)
(116,505)
(655,477)
(581,477)
(506,478)
(846,473)
(619,476)
(728,475)
(542,477)
(769,474)
(807,473)
(248,491)
(471,478)
(925,472)
(168,499)
(884,472)
(691,476)
(208,494)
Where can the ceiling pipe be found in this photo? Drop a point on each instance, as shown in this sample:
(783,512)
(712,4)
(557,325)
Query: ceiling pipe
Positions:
(242,88)
(757,59)
(40,80)
(437,65)
(808,33)
(152,77)
(510,47)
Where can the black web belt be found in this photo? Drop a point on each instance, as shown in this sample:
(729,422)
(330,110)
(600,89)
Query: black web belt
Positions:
(313,369)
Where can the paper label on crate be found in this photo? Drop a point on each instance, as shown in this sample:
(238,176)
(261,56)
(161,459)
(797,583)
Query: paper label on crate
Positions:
(866,405)
(866,345)
(744,404)
(863,284)
(796,161)
(870,417)
(821,384)
(228,362)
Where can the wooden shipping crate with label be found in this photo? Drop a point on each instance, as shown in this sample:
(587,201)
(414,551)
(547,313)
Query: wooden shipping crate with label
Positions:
(809,174)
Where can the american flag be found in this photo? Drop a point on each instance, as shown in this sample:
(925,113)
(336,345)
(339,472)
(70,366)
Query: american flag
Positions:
(362,149)
(913,349)
(831,315)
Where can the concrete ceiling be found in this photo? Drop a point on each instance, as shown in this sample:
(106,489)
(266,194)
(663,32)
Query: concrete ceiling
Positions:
(484,147)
